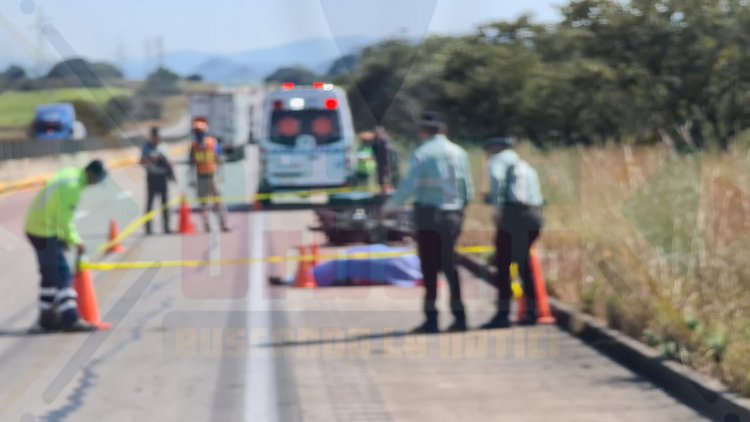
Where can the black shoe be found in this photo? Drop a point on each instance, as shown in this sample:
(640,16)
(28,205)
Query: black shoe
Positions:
(167,231)
(527,321)
(225,229)
(49,321)
(80,326)
(428,327)
(498,321)
(458,326)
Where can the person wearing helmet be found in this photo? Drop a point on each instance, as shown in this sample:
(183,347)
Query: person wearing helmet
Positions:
(205,159)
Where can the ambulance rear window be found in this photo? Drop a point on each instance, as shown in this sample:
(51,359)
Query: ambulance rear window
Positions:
(287,125)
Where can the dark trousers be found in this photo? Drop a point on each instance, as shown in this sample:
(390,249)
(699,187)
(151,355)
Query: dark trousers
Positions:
(157,185)
(437,232)
(519,228)
(56,293)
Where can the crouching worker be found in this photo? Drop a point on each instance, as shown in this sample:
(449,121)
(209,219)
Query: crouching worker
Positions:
(51,229)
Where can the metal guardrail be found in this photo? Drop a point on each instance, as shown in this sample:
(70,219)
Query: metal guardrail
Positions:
(12,150)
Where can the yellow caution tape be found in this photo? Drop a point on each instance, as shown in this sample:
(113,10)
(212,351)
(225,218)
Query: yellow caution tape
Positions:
(281,194)
(141,221)
(135,225)
(143,265)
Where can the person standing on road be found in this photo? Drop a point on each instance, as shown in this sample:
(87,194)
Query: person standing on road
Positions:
(439,181)
(384,155)
(365,159)
(50,227)
(516,195)
(205,160)
(159,172)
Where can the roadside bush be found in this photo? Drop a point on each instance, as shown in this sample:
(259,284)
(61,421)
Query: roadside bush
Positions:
(96,120)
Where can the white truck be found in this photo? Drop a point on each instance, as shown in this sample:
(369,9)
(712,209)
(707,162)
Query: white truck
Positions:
(234,116)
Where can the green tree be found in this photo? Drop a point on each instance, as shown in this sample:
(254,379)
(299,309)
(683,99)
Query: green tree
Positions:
(161,82)
(81,73)
(298,75)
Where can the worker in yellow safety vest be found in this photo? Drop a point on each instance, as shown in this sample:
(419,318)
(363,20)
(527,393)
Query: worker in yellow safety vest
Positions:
(51,229)
(205,159)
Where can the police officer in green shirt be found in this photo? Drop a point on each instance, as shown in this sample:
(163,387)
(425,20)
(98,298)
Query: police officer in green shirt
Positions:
(516,196)
(51,229)
(440,183)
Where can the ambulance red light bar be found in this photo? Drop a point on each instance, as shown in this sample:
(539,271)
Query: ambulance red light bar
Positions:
(286,86)
(318,85)
(331,104)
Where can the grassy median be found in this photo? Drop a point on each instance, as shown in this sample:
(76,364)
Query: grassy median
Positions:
(17,107)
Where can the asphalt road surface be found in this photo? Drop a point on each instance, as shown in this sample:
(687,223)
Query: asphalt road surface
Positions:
(221,344)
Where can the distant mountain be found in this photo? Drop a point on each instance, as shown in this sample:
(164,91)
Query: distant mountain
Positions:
(181,62)
(316,54)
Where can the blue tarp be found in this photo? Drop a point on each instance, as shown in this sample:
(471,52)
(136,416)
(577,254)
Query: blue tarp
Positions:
(402,271)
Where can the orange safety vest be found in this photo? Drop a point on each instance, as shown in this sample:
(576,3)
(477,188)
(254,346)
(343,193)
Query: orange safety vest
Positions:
(204,156)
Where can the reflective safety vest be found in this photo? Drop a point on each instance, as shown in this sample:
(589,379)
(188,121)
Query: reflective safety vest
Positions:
(366,161)
(204,156)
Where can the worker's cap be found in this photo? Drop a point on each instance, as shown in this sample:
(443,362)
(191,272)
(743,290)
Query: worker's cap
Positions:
(434,119)
(96,169)
(200,119)
(500,142)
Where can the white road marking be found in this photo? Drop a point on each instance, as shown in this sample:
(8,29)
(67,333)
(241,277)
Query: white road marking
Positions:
(81,214)
(260,379)
(124,195)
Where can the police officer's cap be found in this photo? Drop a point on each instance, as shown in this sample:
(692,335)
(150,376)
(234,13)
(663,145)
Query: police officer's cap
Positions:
(500,142)
(433,119)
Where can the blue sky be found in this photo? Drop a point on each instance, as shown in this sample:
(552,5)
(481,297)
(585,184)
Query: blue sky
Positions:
(109,29)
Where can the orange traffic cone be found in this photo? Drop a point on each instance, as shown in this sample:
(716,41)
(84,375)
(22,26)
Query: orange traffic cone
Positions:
(544,313)
(315,252)
(87,306)
(114,242)
(304,278)
(542,300)
(186,222)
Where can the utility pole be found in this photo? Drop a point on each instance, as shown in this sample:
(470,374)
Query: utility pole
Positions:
(160,51)
(40,42)
(147,49)
(121,54)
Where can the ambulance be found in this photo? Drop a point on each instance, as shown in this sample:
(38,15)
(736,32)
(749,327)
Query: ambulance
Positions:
(307,139)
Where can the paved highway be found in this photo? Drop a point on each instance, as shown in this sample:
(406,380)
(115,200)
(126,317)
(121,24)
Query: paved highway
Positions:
(219,344)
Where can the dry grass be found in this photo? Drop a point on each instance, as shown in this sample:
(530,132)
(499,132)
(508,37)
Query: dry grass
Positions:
(653,242)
